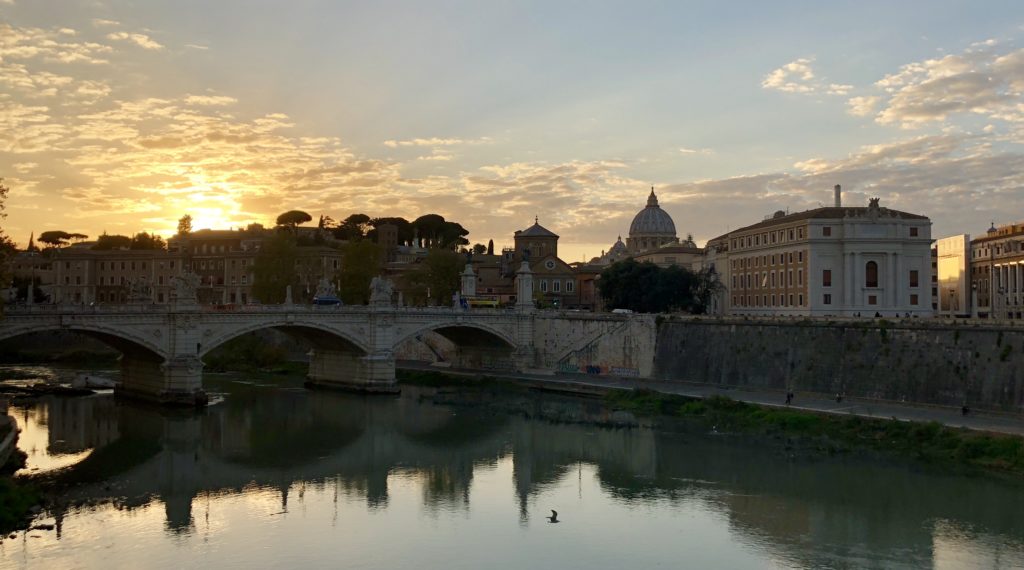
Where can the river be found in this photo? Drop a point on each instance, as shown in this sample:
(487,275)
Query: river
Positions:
(276,476)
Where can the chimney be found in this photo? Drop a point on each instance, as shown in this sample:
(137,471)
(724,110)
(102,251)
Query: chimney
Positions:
(838,191)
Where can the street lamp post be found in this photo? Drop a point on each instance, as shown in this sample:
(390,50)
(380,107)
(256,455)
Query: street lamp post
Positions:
(974,300)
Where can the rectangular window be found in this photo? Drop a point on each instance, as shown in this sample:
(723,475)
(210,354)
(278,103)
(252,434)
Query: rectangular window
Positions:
(913,300)
(800,256)
(827,299)
(790,299)
(872,299)
(789,280)
(160,280)
(800,278)
(800,299)
(133,266)
(245,278)
(570,286)
(826,231)
(790,235)
(826,278)
(556,286)
(78,280)
(101,265)
(913,278)
(773,259)
(544,285)
(913,233)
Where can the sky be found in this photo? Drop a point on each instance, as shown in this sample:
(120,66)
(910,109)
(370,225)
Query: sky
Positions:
(123,116)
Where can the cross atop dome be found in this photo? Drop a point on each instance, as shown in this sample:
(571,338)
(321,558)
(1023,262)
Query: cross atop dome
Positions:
(652,200)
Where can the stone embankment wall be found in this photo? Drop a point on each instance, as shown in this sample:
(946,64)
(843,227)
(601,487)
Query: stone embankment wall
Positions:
(596,344)
(980,364)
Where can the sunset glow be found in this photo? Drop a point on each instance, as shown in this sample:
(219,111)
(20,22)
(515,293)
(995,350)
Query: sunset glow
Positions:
(123,118)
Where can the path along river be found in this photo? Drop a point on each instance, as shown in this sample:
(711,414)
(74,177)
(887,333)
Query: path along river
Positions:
(277,476)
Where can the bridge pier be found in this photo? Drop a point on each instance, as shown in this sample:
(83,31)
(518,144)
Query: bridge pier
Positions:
(177,381)
(372,373)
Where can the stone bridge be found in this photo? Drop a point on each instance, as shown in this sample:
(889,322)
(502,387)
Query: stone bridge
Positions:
(162,346)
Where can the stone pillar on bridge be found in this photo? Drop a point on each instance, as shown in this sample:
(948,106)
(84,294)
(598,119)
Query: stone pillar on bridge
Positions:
(372,372)
(175,378)
(468,282)
(524,288)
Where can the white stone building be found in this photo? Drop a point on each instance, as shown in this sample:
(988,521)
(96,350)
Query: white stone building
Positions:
(830,261)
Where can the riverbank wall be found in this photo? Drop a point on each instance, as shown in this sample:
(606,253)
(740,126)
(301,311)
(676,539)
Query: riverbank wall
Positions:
(977,364)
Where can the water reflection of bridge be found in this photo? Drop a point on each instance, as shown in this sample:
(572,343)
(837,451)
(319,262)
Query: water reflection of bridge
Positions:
(791,507)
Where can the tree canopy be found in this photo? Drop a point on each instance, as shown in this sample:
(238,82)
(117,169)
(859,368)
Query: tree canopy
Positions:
(144,240)
(55,238)
(353,228)
(433,231)
(112,241)
(361,262)
(437,275)
(274,269)
(647,288)
(403,225)
(293,218)
(185,225)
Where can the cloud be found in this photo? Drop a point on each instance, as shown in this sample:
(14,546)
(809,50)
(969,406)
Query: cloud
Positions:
(99,22)
(26,43)
(688,151)
(434,141)
(197,46)
(862,106)
(799,77)
(980,81)
(213,100)
(794,77)
(141,40)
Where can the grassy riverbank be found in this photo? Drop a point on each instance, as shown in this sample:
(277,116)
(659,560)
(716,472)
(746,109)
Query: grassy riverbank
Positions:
(823,433)
(931,442)
(16,502)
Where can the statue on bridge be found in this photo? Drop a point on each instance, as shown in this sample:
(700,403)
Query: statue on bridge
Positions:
(185,286)
(325,289)
(380,291)
(140,291)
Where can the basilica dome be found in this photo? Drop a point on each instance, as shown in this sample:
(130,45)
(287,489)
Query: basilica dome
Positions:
(652,221)
(652,227)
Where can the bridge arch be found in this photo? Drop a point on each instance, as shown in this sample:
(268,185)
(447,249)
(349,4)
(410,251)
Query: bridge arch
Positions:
(464,334)
(132,346)
(311,332)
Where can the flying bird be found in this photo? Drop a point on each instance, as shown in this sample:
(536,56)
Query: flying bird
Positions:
(554,516)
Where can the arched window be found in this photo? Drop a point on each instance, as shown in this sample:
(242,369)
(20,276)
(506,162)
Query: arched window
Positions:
(871,274)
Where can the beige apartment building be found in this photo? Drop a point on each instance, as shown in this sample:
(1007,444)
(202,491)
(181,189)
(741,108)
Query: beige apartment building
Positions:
(997,272)
(221,259)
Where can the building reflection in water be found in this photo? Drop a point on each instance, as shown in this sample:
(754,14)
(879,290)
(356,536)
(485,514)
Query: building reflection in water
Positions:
(285,442)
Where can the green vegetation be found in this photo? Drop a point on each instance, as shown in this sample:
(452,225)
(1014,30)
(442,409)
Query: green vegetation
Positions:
(930,442)
(274,269)
(648,288)
(435,278)
(1005,354)
(361,262)
(439,379)
(16,502)
(246,353)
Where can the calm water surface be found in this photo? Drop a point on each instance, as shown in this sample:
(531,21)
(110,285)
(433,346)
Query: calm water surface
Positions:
(276,476)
